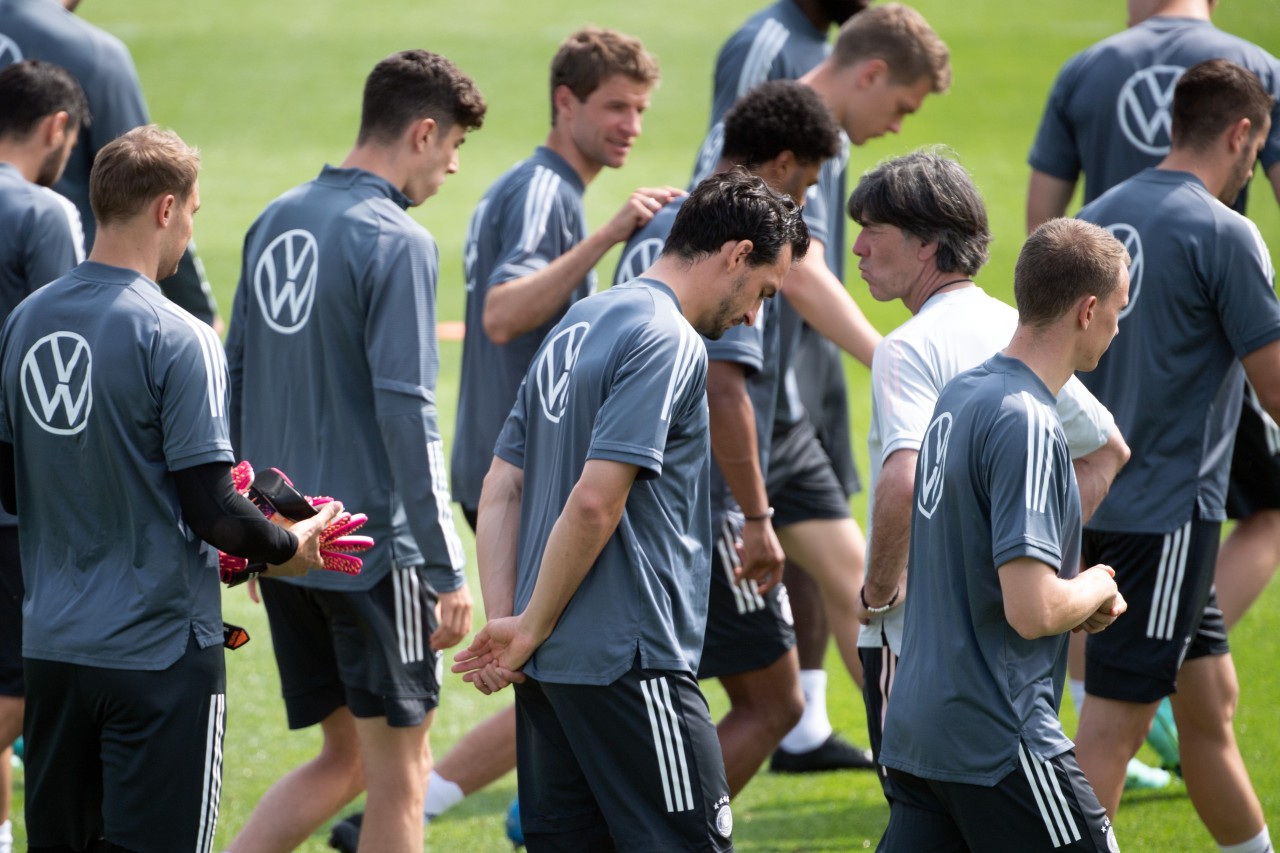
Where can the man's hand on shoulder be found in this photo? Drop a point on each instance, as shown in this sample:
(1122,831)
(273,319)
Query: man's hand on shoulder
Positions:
(639,209)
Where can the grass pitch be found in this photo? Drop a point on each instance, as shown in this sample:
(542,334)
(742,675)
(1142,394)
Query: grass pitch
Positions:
(270,91)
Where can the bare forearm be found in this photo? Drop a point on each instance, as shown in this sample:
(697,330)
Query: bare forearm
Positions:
(1038,603)
(890,527)
(497,540)
(518,306)
(1047,198)
(1096,471)
(589,518)
(734,443)
(822,301)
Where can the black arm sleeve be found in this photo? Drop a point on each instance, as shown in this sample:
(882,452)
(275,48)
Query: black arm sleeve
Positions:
(226,519)
(8,479)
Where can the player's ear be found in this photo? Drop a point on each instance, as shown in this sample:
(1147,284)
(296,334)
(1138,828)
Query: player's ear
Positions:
(563,99)
(1086,310)
(422,133)
(1238,135)
(166,206)
(927,251)
(871,71)
(53,128)
(736,253)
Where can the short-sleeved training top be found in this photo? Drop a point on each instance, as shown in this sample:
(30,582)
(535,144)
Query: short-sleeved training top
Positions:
(334,363)
(777,43)
(951,333)
(622,378)
(106,388)
(1108,112)
(1201,297)
(754,347)
(993,483)
(530,216)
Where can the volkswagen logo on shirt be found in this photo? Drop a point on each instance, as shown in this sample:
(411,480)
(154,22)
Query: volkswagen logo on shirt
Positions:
(1128,235)
(56,383)
(639,258)
(285,280)
(9,51)
(933,463)
(554,366)
(1143,108)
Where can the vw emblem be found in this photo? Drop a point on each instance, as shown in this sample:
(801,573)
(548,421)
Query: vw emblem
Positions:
(639,258)
(1128,235)
(933,462)
(285,280)
(1143,108)
(57,382)
(9,51)
(554,366)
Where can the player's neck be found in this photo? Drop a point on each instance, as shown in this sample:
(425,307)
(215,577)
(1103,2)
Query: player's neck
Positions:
(1045,352)
(1141,10)
(26,161)
(560,141)
(1206,169)
(378,160)
(939,282)
(127,247)
(813,11)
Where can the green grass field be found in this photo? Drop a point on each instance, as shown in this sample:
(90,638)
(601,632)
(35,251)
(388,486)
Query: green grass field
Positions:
(270,91)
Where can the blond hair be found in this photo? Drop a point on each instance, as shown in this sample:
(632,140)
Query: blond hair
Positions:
(902,38)
(136,168)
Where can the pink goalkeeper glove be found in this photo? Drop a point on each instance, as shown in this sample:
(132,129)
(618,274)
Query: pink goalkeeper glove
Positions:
(272,491)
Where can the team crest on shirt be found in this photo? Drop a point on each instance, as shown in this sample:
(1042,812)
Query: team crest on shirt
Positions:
(1143,108)
(932,464)
(1132,240)
(9,51)
(285,280)
(724,817)
(56,382)
(639,258)
(554,366)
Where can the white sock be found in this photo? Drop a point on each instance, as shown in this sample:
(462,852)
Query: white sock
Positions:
(1260,843)
(814,726)
(6,837)
(1076,686)
(442,795)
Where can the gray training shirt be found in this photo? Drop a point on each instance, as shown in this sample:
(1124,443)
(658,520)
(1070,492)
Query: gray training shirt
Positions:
(1108,113)
(622,378)
(529,217)
(105,388)
(334,363)
(993,483)
(1201,297)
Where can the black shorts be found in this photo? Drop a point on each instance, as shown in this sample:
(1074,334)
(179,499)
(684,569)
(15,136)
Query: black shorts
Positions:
(819,369)
(746,630)
(879,669)
(642,770)
(1255,464)
(802,484)
(10,613)
(130,756)
(471,514)
(369,650)
(1167,581)
(1041,806)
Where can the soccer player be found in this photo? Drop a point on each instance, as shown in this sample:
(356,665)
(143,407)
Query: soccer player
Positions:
(528,257)
(116,456)
(995,581)
(784,41)
(885,61)
(42,109)
(1202,304)
(924,238)
(594,539)
(43,29)
(1108,116)
(336,304)
(782,132)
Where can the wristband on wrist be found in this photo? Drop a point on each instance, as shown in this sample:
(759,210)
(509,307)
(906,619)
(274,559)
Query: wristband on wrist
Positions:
(764,516)
(882,608)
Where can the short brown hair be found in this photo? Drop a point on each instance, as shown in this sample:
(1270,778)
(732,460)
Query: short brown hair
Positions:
(1212,96)
(901,37)
(136,168)
(592,55)
(1062,261)
(417,84)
